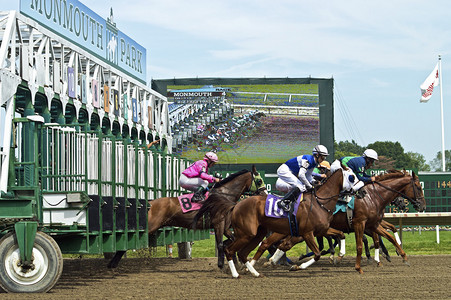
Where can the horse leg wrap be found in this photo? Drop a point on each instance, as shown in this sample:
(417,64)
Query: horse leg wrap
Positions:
(398,240)
(277,255)
(307,263)
(233,269)
(251,269)
(253,262)
(376,255)
(342,248)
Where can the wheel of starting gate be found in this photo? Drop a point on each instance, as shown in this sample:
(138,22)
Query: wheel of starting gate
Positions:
(41,276)
(184,250)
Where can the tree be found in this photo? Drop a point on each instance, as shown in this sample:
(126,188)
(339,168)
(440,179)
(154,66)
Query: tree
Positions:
(417,162)
(391,155)
(394,151)
(346,148)
(384,162)
(436,163)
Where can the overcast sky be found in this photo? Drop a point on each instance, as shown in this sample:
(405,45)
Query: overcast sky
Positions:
(377,52)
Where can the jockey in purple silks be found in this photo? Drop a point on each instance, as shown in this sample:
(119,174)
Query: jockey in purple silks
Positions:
(196,178)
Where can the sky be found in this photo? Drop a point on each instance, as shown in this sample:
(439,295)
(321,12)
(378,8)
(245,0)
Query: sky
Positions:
(378,53)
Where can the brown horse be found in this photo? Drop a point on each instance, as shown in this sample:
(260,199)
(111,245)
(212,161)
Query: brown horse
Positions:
(166,211)
(287,242)
(250,224)
(368,212)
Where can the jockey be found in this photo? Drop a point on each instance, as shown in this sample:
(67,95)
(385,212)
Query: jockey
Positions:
(196,178)
(295,175)
(319,173)
(358,164)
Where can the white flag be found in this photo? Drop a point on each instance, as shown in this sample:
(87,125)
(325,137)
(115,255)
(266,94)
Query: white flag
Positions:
(428,85)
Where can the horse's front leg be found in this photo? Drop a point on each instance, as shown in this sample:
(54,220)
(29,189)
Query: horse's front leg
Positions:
(390,226)
(219,231)
(331,249)
(286,245)
(268,242)
(310,241)
(337,234)
(375,237)
(367,249)
(381,231)
(358,231)
(384,249)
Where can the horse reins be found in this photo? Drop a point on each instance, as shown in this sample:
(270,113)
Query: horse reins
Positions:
(321,204)
(400,193)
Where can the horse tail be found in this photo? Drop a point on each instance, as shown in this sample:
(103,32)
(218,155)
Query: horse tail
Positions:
(206,207)
(213,205)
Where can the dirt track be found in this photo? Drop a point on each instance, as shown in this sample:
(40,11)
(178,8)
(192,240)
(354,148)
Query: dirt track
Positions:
(428,277)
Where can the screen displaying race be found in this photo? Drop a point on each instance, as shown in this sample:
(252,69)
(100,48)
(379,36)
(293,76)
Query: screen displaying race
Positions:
(243,124)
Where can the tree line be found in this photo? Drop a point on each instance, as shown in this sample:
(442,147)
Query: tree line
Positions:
(392,156)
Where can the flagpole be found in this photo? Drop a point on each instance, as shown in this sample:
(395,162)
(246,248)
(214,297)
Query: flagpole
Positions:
(441,112)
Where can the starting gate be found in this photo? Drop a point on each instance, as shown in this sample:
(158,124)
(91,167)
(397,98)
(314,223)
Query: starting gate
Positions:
(76,171)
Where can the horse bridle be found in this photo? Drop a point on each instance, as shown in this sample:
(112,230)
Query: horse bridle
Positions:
(317,198)
(259,189)
(248,192)
(414,188)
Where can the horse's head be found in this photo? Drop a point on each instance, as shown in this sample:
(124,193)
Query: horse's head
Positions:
(415,193)
(409,187)
(258,185)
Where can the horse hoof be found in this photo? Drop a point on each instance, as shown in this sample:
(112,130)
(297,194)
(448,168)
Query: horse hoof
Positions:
(379,264)
(388,258)
(294,268)
(407,263)
(359,270)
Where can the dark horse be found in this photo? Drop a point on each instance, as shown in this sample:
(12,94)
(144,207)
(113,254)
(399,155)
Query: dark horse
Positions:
(368,212)
(166,211)
(250,224)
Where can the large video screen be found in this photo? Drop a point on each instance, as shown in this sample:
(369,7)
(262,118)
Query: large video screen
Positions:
(250,123)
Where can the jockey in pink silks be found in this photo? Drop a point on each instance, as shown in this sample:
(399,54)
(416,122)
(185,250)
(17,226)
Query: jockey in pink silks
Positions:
(196,178)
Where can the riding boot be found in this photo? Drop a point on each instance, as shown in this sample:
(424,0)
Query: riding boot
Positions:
(199,195)
(291,196)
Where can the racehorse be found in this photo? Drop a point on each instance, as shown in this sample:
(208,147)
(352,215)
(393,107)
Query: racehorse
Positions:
(167,211)
(287,242)
(250,224)
(368,212)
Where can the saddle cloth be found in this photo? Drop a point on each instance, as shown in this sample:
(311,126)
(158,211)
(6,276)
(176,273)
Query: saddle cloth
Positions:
(341,205)
(186,204)
(272,210)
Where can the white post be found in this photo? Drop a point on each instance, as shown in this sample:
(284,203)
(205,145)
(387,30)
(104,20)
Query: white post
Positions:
(441,112)
(437,229)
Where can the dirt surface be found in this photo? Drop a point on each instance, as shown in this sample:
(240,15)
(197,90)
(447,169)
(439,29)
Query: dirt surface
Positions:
(428,277)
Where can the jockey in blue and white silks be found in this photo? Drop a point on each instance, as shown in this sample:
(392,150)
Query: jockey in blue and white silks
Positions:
(295,175)
(296,172)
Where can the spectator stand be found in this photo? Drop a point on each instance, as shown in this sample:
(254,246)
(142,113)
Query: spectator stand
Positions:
(191,111)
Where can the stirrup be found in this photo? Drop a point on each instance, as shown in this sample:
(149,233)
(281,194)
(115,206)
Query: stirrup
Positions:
(197,198)
(285,206)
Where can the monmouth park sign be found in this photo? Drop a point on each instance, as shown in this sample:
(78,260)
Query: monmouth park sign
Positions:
(80,25)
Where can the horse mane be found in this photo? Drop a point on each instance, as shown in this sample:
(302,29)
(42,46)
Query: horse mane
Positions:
(230,178)
(215,202)
(390,175)
(327,179)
